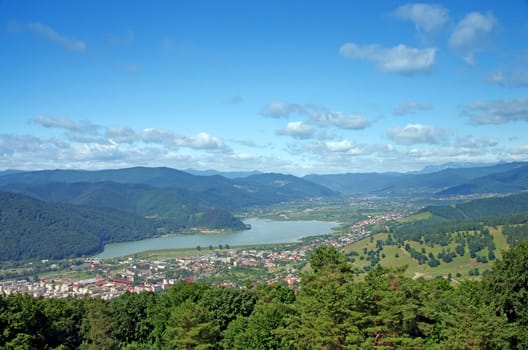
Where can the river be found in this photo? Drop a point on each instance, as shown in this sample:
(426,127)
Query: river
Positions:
(263,231)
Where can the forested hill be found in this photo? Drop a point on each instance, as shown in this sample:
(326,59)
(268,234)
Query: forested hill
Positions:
(510,181)
(446,224)
(333,310)
(32,228)
(480,208)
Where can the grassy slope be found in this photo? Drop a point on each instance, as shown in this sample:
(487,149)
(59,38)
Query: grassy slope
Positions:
(461,264)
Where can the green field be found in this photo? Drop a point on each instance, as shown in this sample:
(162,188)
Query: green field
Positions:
(394,256)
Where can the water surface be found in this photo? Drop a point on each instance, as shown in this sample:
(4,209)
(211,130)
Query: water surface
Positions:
(262,231)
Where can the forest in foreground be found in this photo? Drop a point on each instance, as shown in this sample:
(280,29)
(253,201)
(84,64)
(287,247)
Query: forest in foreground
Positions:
(385,310)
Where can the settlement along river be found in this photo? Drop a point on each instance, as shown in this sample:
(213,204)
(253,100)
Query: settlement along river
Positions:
(262,231)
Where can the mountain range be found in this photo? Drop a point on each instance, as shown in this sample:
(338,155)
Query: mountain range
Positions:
(93,208)
(497,178)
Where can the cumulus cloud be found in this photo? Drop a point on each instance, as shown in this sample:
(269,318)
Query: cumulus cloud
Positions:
(86,132)
(399,59)
(317,115)
(324,117)
(426,17)
(297,130)
(49,34)
(65,123)
(519,152)
(344,146)
(510,78)
(411,107)
(87,145)
(497,112)
(117,134)
(471,33)
(201,141)
(470,142)
(282,110)
(418,134)
(10,144)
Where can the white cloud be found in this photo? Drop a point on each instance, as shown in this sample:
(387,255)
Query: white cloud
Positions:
(119,134)
(317,115)
(470,142)
(497,112)
(411,107)
(418,134)
(297,130)
(324,118)
(510,78)
(203,141)
(50,34)
(400,59)
(343,146)
(519,152)
(426,17)
(282,110)
(86,132)
(11,144)
(65,123)
(471,33)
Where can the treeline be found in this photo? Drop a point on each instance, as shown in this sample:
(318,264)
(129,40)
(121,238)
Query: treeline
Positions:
(386,310)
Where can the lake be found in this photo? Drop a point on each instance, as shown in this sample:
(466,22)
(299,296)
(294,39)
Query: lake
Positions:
(262,231)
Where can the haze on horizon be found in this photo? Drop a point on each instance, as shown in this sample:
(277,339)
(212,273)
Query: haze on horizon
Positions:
(278,86)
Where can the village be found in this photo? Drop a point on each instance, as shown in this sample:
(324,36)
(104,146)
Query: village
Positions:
(232,268)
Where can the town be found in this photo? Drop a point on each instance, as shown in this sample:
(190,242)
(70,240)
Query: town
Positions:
(229,267)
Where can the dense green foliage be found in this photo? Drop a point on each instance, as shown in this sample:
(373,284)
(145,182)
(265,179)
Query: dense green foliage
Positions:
(33,229)
(332,311)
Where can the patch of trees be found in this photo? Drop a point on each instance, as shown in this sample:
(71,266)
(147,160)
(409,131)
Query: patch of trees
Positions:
(331,311)
(515,233)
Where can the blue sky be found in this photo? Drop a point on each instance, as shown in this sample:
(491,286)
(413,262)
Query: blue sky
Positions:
(279,86)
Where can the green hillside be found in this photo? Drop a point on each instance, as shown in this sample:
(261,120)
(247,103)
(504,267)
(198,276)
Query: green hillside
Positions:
(383,249)
(479,209)
(35,229)
(457,240)
(31,228)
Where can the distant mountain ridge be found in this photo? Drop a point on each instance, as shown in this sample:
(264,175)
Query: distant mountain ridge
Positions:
(227,174)
(265,188)
(498,178)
